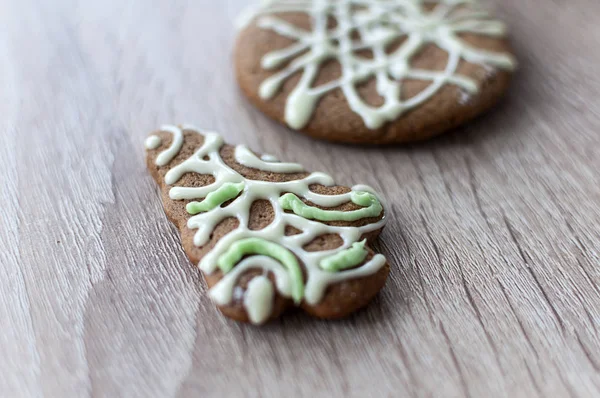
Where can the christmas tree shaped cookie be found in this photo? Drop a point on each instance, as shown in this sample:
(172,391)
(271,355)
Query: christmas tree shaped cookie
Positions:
(268,235)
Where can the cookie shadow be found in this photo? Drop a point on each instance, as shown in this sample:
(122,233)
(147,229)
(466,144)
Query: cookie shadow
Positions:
(501,121)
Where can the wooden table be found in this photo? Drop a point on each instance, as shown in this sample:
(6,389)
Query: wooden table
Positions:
(494,233)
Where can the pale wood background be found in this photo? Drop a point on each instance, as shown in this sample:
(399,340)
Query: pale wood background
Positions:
(494,231)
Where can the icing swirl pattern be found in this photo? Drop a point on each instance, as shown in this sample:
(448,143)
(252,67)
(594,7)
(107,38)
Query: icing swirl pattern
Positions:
(379,25)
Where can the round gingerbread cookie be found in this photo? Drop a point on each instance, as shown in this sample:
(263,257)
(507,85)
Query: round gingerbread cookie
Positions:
(372,71)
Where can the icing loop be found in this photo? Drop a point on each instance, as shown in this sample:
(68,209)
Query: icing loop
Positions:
(298,274)
(379,24)
(260,246)
(166,156)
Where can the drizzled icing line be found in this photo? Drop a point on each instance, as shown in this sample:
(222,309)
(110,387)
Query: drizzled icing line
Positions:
(379,24)
(269,248)
(153,142)
(245,157)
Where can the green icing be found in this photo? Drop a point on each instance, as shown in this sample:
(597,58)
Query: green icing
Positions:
(227,191)
(346,258)
(250,246)
(371,208)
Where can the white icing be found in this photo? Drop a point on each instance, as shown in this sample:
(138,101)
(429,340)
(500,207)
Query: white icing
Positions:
(269,158)
(258,299)
(167,155)
(244,156)
(222,292)
(153,142)
(379,23)
(318,280)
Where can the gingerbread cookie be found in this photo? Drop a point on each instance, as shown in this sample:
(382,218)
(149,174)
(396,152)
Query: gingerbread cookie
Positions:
(372,71)
(266,234)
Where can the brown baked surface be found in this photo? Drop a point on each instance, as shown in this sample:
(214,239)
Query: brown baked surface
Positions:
(334,120)
(340,299)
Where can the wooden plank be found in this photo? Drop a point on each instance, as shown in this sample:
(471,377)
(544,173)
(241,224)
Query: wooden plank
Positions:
(494,233)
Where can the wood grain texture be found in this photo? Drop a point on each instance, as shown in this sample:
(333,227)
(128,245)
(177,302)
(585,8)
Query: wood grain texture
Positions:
(494,231)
